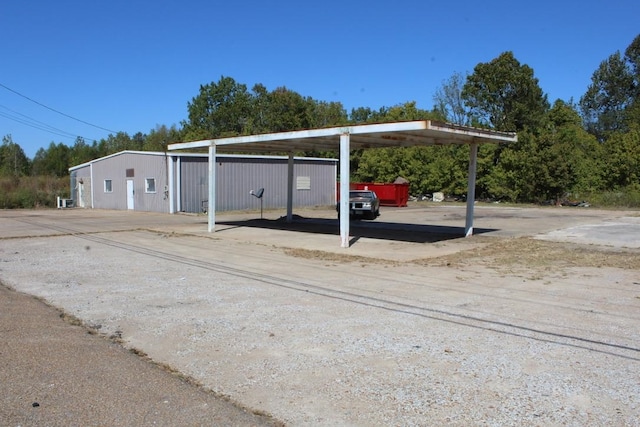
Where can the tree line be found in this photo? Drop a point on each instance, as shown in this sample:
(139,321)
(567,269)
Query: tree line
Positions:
(584,149)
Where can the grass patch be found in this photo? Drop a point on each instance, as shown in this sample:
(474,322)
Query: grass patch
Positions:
(627,198)
(526,253)
(334,257)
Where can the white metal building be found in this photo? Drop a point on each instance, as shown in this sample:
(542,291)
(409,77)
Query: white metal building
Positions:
(178,182)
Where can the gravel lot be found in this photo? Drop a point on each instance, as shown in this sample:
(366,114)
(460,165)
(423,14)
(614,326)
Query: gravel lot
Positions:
(412,325)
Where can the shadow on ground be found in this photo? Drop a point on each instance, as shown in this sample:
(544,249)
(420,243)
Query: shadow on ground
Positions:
(412,233)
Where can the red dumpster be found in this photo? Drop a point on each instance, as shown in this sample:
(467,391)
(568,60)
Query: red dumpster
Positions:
(389,194)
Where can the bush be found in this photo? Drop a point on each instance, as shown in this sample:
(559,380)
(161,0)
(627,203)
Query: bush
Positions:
(30,192)
(626,198)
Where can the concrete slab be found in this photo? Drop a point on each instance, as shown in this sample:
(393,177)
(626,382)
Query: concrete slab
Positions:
(621,232)
(419,231)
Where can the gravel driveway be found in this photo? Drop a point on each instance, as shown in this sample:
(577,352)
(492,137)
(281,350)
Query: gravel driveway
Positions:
(434,331)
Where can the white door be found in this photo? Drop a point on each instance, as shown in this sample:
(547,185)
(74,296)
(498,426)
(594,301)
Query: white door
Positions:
(130,194)
(81,194)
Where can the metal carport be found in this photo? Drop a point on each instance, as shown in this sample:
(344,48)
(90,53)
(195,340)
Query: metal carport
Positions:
(398,134)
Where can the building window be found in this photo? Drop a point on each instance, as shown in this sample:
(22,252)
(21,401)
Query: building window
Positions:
(150,186)
(108,188)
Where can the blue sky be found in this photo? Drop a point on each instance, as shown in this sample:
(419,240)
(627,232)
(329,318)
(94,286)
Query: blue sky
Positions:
(131,65)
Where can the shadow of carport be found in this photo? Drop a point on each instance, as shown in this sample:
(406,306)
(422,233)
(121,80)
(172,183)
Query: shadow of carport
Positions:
(380,230)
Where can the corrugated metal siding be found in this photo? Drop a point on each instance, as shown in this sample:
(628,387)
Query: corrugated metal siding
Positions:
(322,177)
(236,177)
(144,166)
(83,172)
(81,177)
(194,184)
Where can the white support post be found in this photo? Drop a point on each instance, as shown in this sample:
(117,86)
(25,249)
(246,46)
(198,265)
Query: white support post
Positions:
(345,179)
(171,185)
(471,188)
(91,183)
(290,188)
(211,209)
(178,185)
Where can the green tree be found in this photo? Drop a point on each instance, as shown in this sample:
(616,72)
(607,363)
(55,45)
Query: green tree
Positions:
(13,161)
(569,156)
(380,165)
(226,108)
(579,152)
(428,169)
(52,161)
(116,143)
(137,141)
(397,113)
(632,55)
(258,119)
(609,97)
(505,95)
(325,114)
(160,137)
(221,109)
(558,159)
(513,177)
(446,170)
(286,110)
(362,115)
(386,164)
(81,152)
(622,160)
(405,112)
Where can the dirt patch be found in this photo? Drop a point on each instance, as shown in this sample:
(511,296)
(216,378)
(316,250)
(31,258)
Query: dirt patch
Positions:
(525,253)
(335,257)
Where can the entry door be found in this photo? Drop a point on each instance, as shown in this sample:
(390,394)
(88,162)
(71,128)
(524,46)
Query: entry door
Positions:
(130,194)
(81,194)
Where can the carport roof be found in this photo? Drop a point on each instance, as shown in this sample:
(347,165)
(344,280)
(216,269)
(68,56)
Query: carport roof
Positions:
(397,134)
(346,138)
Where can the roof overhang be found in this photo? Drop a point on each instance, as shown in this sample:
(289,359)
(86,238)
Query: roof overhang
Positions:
(397,134)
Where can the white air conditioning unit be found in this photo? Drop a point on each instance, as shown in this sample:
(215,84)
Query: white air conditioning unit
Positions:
(64,203)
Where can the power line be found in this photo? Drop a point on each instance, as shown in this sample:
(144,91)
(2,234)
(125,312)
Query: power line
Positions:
(56,111)
(36,124)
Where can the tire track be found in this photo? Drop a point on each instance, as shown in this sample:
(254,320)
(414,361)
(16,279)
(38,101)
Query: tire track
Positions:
(512,329)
